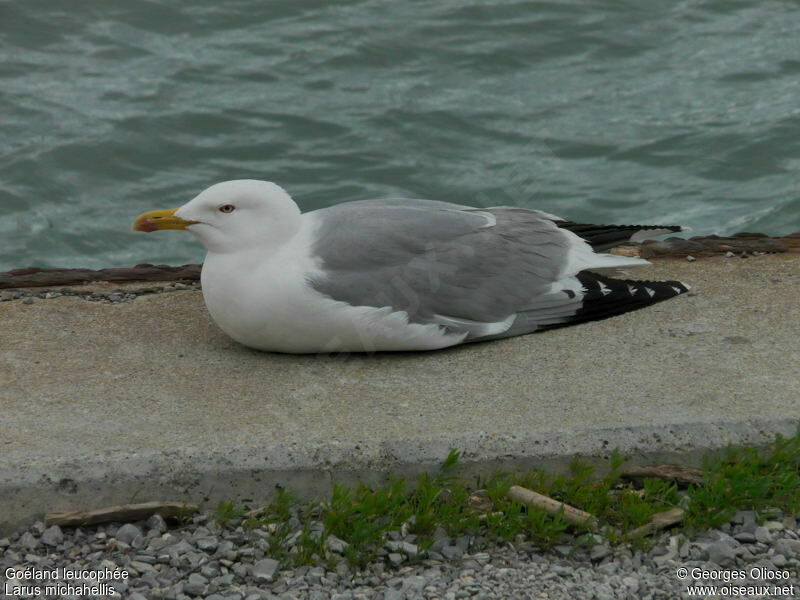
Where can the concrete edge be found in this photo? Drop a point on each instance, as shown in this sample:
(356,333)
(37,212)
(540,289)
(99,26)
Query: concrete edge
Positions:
(249,475)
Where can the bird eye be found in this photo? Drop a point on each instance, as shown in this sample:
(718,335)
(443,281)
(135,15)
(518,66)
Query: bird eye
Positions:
(227,208)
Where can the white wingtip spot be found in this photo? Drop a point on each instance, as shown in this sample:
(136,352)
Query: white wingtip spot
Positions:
(632,290)
(491,220)
(650,291)
(604,289)
(475,328)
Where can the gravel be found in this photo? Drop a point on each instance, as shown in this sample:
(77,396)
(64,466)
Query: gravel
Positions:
(115,296)
(205,560)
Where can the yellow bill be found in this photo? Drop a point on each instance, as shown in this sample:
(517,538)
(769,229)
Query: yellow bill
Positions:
(160,219)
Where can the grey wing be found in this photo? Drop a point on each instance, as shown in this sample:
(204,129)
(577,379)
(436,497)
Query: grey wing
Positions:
(469,270)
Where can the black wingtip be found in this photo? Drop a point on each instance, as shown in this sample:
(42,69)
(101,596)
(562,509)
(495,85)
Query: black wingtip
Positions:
(606,297)
(603,237)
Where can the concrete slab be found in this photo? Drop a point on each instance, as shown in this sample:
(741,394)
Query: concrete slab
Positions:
(147,400)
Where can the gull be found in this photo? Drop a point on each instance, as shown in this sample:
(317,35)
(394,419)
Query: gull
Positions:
(399,274)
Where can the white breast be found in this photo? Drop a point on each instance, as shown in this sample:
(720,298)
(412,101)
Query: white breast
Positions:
(263,300)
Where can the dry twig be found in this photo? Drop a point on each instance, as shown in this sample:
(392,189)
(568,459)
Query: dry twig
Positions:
(683,476)
(659,521)
(552,507)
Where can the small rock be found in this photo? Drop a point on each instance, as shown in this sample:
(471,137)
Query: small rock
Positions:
(410,550)
(240,570)
(414,583)
(631,584)
(789,548)
(52,536)
(563,570)
(763,535)
(195,585)
(145,558)
(209,571)
(779,560)
(721,553)
(265,569)
(599,552)
(394,594)
(563,550)
(127,533)
(336,545)
(745,537)
(774,526)
(452,552)
(28,300)
(142,567)
(208,544)
(157,523)
(690,258)
(471,564)
(395,559)
(28,541)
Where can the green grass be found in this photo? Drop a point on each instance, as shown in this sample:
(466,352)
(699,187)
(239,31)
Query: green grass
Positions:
(748,479)
(363,516)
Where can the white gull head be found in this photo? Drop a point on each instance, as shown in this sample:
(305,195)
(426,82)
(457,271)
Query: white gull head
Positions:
(242,214)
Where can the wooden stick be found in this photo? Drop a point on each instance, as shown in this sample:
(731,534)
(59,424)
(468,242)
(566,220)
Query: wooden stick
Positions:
(678,473)
(122,512)
(552,507)
(256,512)
(659,521)
(479,502)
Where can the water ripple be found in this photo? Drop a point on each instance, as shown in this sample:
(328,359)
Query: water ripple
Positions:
(662,111)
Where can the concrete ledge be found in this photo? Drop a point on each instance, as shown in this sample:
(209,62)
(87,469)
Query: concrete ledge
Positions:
(145,400)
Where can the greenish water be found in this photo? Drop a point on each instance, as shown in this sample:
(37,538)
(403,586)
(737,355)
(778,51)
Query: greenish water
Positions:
(677,112)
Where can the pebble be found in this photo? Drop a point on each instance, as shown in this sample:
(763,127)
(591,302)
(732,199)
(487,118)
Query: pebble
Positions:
(410,550)
(209,544)
(721,553)
(265,569)
(127,533)
(599,552)
(334,544)
(763,535)
(196,585)
(157,524)
(28,541)
(204,560)
(52,536)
